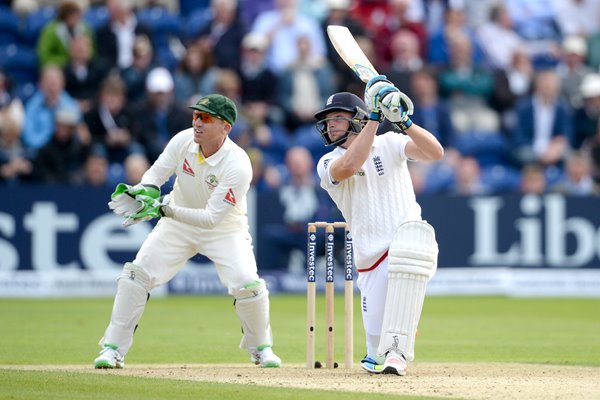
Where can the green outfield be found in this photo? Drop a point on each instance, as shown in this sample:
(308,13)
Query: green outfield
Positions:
(205,329)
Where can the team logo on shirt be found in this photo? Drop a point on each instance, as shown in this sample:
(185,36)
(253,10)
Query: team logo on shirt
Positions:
(230,197)
(187,169)
(211,181)
(378,165)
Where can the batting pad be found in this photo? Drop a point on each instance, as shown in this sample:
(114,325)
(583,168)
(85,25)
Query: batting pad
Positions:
(132,294)
(412,262)
(252,307)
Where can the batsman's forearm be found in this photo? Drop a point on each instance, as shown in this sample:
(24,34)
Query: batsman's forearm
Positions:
(426,142)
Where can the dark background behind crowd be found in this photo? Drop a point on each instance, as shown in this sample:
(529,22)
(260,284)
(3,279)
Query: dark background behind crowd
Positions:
(91,91)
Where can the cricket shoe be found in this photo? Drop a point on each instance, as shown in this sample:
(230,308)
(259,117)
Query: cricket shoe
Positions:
(395,363)
(109,358)
(370,365)
(265,358)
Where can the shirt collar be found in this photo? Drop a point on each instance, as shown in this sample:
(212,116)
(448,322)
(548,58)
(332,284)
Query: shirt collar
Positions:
(215,158)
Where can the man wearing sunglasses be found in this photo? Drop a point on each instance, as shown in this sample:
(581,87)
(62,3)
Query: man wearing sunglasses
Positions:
(204,213)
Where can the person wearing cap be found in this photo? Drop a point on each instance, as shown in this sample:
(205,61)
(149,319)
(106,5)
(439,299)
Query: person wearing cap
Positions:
(205,213)
(367,177)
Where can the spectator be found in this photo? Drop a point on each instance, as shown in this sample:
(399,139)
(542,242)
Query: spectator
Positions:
(55,39)
(95,170)
(520,74)
(577,17)
(195,75)
(284,26)
(264,177)
(111,119)
(300,200)
(259,83)
(61,160)
(159,114)
(116,39)
(533,180)
(406,59)
(136,166)
(10,106)
(338,13)
(41,107)
(587,117)
(268,136)
(82,73)
(222,35)
(15,159)
(572,69)
(578,179)
(543,127)
(467,179)
(304,85)
(136,74)
(499,53)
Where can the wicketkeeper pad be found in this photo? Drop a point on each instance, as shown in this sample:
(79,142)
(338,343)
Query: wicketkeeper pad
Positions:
(252,307)
(412,262)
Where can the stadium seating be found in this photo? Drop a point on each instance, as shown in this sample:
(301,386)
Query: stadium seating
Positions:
(9,26)
(34,22)
(20,63)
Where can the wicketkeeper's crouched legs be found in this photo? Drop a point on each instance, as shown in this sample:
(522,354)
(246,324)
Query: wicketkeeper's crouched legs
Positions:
(412,262)
(133,286)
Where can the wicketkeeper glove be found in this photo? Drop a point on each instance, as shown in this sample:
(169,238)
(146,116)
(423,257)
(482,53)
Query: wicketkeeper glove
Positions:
(123,200)
(397,107)
(153,208)
(372,95)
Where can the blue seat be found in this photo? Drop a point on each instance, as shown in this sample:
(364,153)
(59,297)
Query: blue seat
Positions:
(96,16)
(160,20)
(307,136)
(195,22)
(9,26)
(489,148)
(186,7)
(20,63)
(34,22)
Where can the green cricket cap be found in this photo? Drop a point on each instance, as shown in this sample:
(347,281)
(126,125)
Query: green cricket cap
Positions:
(217,105)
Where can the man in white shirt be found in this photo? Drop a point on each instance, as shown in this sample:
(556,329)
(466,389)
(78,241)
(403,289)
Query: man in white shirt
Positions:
(368,179)
(205,213)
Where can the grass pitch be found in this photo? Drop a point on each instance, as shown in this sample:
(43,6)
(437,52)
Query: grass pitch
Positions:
(206,330)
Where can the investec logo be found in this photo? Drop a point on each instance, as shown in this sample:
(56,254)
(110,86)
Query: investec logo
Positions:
(312,241)
(348,259)
(542,234)
(329,269)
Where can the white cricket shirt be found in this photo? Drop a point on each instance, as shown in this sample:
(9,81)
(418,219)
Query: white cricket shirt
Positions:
(208,192)
(377,199)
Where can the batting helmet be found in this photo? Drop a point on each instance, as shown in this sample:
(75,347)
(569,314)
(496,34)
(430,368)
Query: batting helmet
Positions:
(342,101)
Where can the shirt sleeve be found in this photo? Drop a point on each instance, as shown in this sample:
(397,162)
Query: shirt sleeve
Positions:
(166,164)
(324,173)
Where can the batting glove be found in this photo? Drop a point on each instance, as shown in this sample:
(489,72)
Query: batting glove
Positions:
(371,97)
(397,107)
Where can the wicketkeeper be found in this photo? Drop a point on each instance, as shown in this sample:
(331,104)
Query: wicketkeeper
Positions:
(205,213)
(395,250)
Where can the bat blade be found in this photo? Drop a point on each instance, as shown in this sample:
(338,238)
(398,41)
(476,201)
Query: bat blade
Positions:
(349,50)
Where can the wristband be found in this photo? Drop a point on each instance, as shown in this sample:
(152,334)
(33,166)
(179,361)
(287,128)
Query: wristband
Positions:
(403,125)
(375,116)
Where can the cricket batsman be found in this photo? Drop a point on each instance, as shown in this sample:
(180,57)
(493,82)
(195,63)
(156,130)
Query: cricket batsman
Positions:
(205,213)
(395,250)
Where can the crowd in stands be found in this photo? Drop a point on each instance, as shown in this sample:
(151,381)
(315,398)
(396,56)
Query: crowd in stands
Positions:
(91,91)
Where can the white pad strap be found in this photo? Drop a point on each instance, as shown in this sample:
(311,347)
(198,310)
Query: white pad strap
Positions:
(412,262)
(252,307)
(132,294)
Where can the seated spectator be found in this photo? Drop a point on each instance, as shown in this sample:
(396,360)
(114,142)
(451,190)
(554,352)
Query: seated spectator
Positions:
(577,17)
(543,124)
(467,179)
(160,115)
(111,119)
(572,69)
(405,60)
(304,86)
(299,196)
(499,53)
(136,166)
(95,170)
(587,116)
(10,106)
(223,34)
(82,73)
(61,160)
(55,39)
(116,39)
(195,76)
(284,26)
(533,180)
(264,177)
(259,83)
(135,75)
(15,159)
(39,126)
(578,178)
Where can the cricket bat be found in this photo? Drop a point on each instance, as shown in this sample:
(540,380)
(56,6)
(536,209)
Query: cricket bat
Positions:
(349,50)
